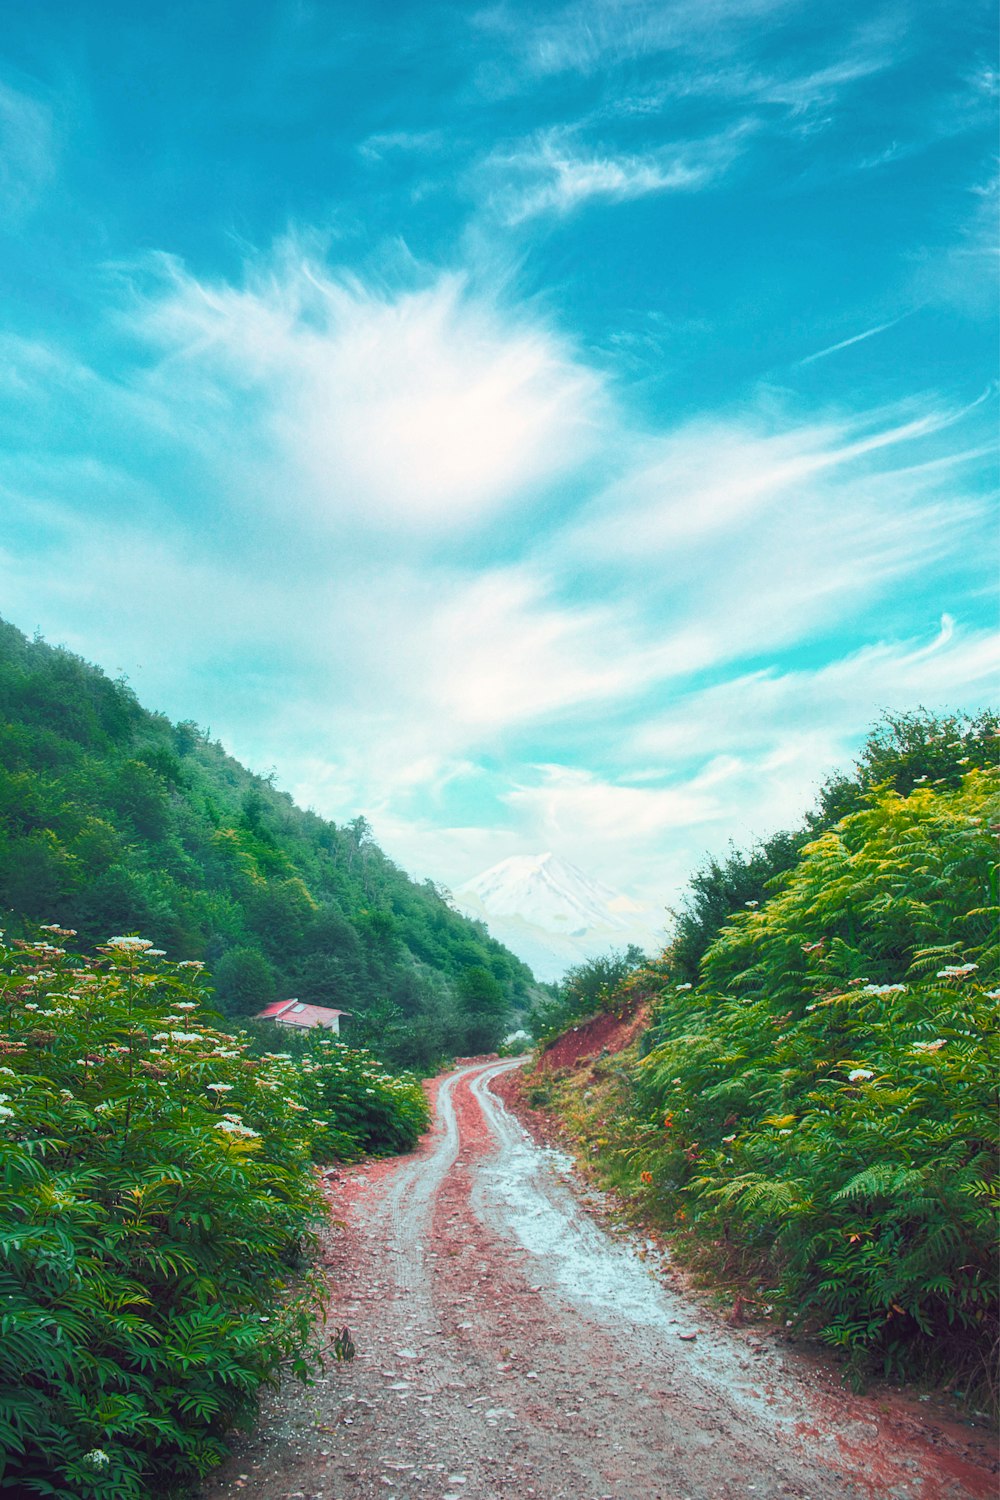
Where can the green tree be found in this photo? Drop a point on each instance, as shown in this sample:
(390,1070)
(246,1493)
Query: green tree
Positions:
(245,981)
(485,1007)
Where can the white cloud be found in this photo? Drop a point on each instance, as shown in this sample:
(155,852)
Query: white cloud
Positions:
(783,732)
(591,35)
(552,174)
(383,143)
(728,541)
(388,409)
(569,805)
(962,276)
(507,653)
(739,760)
(663,53)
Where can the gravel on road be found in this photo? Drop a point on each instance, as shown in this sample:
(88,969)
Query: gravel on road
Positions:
(510,1344)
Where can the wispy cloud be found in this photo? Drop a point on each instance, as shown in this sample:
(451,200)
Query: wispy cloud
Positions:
(746,757)
(384,143)
(708,48)
(709,479)
(962,275)
(587,35)
(415,578)
(555,173)
(856,338)
(660,67)
(28,151)
(394,407)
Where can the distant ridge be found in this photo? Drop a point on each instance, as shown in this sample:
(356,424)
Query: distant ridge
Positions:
(552,914)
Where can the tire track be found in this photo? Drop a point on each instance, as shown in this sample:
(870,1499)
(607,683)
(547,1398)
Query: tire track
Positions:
(511,1348)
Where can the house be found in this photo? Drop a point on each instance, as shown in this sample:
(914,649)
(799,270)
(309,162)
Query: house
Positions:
(294,1013)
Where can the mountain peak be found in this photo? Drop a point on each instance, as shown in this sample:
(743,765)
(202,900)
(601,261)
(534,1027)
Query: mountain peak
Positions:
(551,913)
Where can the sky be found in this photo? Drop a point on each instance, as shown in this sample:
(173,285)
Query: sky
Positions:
(556,426)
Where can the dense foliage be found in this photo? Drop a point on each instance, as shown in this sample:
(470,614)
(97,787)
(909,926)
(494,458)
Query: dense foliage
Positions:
(832,1085)
(112,819)
(157,1201)
(819,1104)
(902,752)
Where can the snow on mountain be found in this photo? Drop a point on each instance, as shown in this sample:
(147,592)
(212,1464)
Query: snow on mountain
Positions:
(552,915)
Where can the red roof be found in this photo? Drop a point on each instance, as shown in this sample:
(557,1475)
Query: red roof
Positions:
(295,1013)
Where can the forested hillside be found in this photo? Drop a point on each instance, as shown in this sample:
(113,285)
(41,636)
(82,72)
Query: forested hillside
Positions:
(115,820)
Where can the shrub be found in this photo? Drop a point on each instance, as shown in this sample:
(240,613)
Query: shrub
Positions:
(828,1096)
(356,1106)
(156,1201)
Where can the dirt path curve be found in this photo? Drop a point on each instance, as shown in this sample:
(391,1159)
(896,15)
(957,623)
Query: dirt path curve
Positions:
(510,1346)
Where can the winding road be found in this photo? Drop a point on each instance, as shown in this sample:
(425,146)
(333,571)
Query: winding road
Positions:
(509,1344)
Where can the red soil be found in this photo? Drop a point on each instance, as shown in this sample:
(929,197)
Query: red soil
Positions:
(606,1033)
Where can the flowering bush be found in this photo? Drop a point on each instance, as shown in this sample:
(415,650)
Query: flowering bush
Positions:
(157,1200)
(832,1084)
(356,1106)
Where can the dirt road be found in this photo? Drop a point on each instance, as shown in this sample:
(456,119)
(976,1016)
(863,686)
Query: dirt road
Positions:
(511,1346)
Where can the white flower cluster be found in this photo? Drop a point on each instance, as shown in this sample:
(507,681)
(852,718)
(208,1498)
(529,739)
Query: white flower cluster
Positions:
(934,1046)
(956,971)
(233,1125)
(859,1075)
(884,989)
(128,945)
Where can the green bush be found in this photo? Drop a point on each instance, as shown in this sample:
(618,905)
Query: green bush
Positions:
(157,1200)
(355,1106)
(827,1097)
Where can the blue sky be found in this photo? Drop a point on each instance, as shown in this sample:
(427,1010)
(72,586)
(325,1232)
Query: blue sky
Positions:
(557,426)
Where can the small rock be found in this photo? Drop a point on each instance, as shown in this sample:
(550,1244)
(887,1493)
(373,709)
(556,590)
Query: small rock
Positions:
(687,1337)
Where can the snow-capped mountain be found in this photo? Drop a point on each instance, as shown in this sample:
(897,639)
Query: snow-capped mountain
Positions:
(552,915)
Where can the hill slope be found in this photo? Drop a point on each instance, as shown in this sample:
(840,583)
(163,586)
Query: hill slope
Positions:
(113,819)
